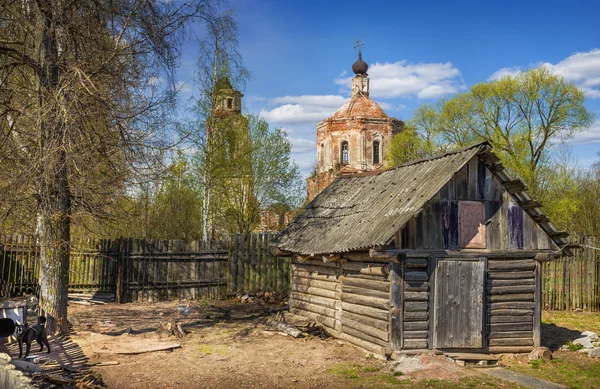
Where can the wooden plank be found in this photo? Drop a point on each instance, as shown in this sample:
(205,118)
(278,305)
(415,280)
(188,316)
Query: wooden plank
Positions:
(506,327)
(416,334)
(382,286)
(537,313)
(511,342)
(361,335)
(365,329)
(416,316)
(415,262)
(511,334)
(315,291)
(415,344)
(509,275)
(396,303)
(367,311)
(512,265)
(517,289)
(416,326)
(318,309)
(375,323)
(511,297)
(413,306)
(363,344)
(529,305)
(366,301)
(525,281)
(415,275)
(321,319)
(510,319)
(416,296)
(323,301)
(365,292)
(312,282)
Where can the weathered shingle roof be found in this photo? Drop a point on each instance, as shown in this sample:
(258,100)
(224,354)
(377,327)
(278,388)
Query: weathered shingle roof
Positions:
(364,211)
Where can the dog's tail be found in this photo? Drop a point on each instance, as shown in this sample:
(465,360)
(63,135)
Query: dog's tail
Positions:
(42,320)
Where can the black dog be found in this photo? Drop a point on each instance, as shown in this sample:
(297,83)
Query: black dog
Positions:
(28,334)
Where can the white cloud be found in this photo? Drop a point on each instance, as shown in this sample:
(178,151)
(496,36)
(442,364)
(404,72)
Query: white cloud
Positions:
(504,72)
(301,145)
(583,69)
(402,79)
(591,135)
(390,107)
(183,87)
(304,109)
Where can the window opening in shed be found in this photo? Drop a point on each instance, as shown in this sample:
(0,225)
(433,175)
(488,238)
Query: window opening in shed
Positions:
(471,225)
(344,153)
(375,152)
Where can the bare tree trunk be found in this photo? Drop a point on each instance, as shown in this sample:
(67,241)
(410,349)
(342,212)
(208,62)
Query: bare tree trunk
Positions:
(54,198)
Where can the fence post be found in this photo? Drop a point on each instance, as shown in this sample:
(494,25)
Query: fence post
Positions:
(119,288)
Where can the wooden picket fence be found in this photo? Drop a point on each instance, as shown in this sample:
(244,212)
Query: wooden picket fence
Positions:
(152,270)
(573,282)
(253,267)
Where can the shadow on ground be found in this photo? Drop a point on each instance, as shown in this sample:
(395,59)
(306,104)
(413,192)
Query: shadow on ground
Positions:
(554,336)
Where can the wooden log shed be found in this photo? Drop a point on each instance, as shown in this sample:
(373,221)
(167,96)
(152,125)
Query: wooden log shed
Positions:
(440,254)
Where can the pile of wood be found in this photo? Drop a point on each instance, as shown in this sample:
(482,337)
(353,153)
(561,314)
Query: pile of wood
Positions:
(170,328)
(262,298)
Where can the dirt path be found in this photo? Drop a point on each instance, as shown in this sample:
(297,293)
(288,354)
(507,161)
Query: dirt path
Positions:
(227,347)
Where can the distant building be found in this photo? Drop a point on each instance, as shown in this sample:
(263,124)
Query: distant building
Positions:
(356,138)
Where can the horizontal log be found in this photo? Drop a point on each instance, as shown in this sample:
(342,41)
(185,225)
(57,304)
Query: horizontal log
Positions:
(413,306)
(509,349)
(377,349)
(367,311)
(349,274)
(361,335)
(416,326)
(366,292)
(511,264)
(467,253)
(376,269)
(510,334)
(332,294)
(511,342)
(382,286)
(416,296)
(415,344)
(318,262)
(315,276)
(415,262)
(518,282)
(415,276)
(368,330)
(375,323)
(366,301)
(313,308)
(512,312)
(416,286)
(416,316)
(511,319)
(416,334)
(324,320)
(510,275)
(506,327)
(512,305)
(511,289)
(318,269)
(323,301)
(512,297)
(329,284)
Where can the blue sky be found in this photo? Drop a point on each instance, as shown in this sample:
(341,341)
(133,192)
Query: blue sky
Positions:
(300,54)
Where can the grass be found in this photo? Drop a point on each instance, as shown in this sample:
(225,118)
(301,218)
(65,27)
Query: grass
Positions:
(579,321)
(570,368)
(208,349)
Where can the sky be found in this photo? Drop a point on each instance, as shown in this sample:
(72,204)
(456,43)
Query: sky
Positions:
(300,54)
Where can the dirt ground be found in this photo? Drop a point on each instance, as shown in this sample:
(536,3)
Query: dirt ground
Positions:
(228,345)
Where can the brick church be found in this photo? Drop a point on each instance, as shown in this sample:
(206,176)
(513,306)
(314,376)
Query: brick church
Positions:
(356,138)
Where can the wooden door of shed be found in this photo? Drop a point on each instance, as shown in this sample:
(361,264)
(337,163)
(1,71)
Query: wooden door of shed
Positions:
(459,298)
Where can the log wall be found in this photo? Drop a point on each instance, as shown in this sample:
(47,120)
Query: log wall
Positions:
(512,305)
(417,323)
(351,299)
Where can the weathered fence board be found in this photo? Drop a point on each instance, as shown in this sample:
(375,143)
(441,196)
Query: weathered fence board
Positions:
(153,270)
(573,282)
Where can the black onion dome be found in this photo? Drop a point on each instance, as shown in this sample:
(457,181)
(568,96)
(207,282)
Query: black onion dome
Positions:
(360,66)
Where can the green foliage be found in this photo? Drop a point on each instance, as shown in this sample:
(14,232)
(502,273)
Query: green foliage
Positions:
(574,346)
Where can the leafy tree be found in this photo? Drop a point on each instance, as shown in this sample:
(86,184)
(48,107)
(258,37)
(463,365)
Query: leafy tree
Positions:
(80,105)
(520,116)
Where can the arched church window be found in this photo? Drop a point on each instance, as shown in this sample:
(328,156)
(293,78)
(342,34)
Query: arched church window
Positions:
(344,153)
(376,152)
(229,103)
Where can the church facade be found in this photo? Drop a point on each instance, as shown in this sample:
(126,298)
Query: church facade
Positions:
(356,138)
